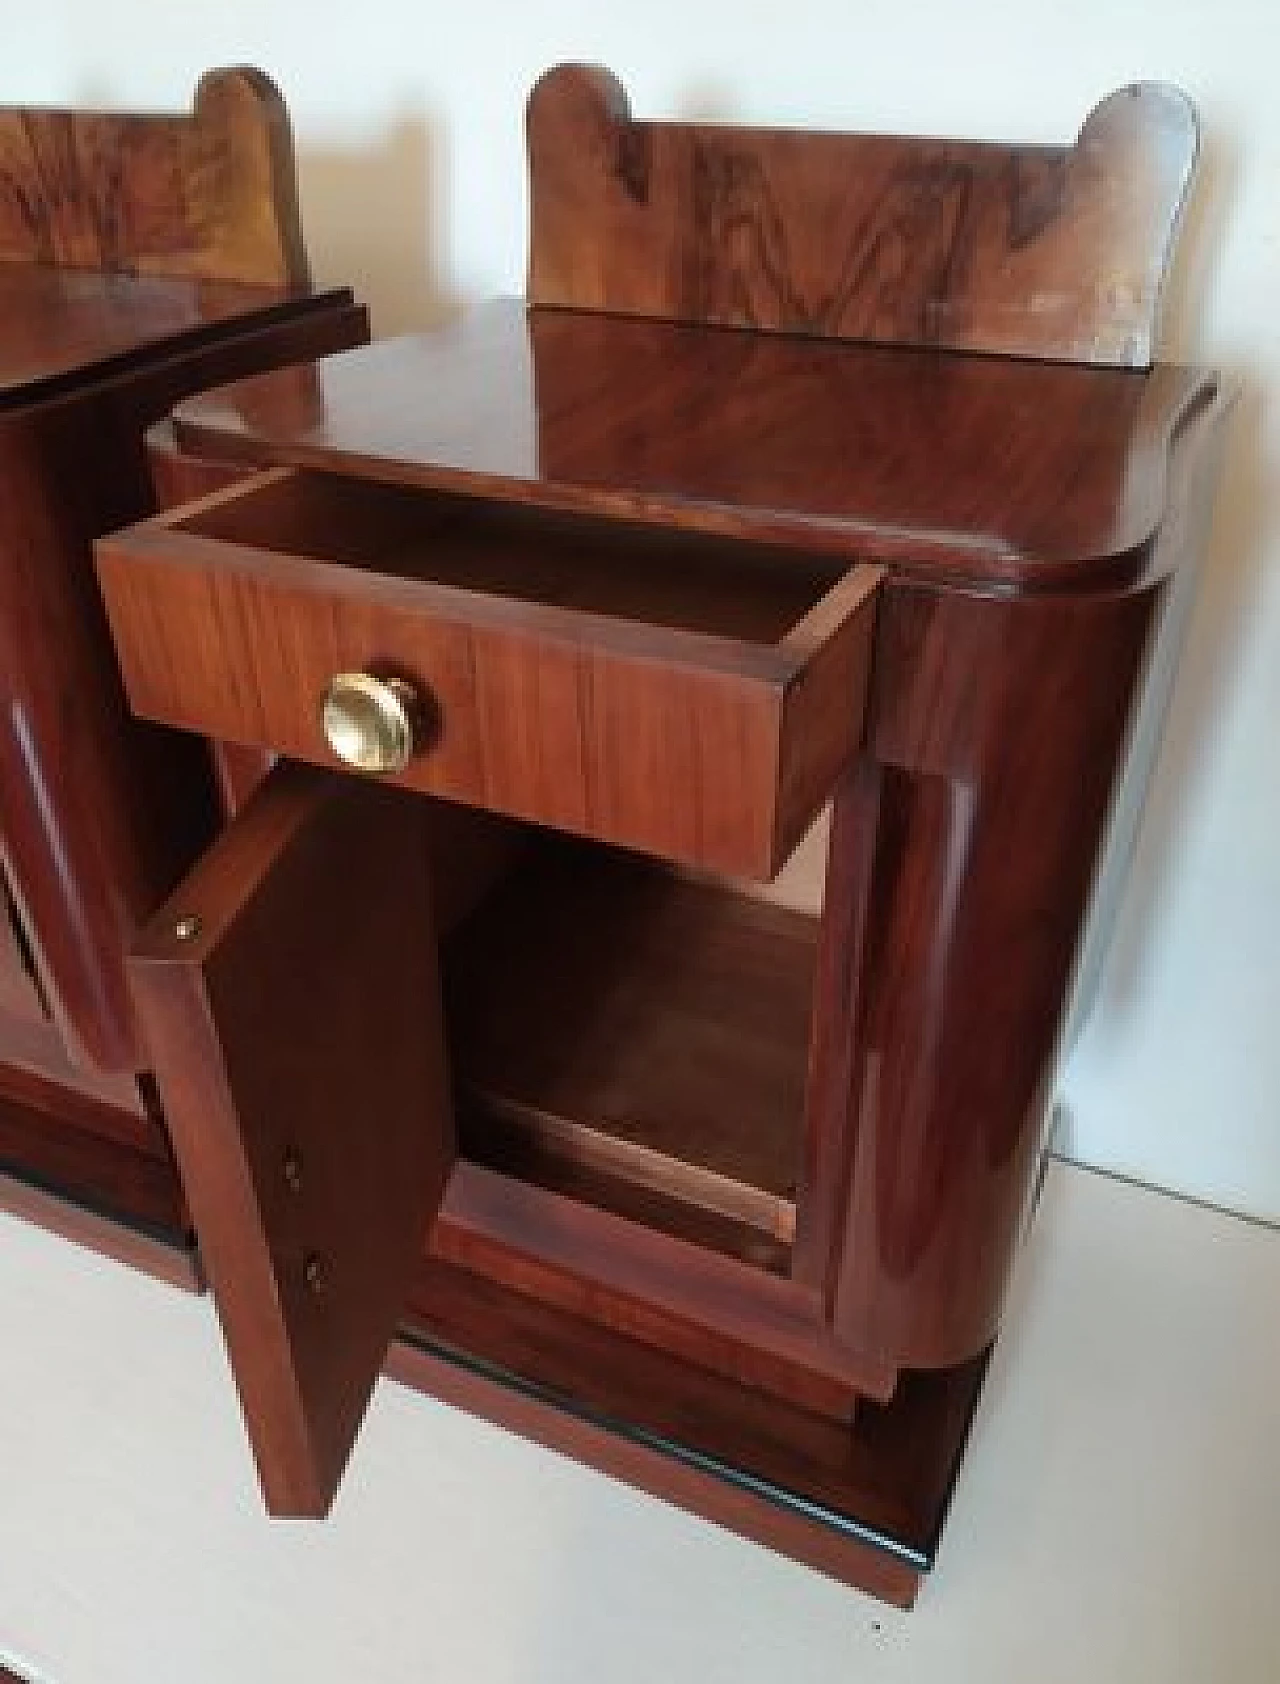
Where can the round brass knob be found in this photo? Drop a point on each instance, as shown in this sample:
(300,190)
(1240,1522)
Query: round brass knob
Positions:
(370,723)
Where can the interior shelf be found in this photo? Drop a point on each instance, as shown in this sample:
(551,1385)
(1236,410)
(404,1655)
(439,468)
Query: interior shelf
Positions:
(638,1039)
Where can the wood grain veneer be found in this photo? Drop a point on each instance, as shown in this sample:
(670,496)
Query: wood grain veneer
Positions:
(297,1044)
(999,735)
(78,325)
(652,1029)
(728,1316)
(211,195)
(89,1165)
(583,718)
(961,469)
(864,1504)
(685,472)
(140,257)
(1041,251)
(101,813)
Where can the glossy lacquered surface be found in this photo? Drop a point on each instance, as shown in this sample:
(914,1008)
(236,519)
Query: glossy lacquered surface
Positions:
(100,814)
(60,326)
(294,1019)
(140,258)
(1030,516)
(562,673)
(964,847)
(951,467)
(590,533)
(864,1501)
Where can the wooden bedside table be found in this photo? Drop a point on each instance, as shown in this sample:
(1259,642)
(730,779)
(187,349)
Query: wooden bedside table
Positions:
(818,469)
(140,259)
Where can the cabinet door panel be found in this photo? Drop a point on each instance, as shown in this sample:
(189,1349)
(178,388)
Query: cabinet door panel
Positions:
(290,998)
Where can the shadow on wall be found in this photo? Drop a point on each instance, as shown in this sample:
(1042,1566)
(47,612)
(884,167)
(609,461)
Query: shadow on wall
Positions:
(1201,238)
(373,221)
(1222,616)
(1222,620)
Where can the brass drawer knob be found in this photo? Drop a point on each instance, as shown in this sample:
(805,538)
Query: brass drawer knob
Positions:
(370,723)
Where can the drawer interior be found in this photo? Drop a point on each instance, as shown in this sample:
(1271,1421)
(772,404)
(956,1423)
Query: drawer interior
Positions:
(638,1039)
(690,581)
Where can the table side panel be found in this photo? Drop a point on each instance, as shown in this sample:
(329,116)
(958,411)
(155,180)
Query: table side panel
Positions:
(99,813)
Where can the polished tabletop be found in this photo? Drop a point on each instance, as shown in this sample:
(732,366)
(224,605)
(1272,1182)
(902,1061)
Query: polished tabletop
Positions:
(61,325)
(969,466)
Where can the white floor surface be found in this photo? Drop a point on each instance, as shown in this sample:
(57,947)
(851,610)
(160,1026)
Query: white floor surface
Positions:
(1117,1521)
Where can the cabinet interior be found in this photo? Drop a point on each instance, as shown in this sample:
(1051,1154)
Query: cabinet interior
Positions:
(637,1039)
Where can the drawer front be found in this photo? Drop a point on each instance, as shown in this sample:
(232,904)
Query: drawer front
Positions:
(290,998)
(711,749)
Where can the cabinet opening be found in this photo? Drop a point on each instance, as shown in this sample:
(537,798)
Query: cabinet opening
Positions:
(682,580)
(638,1040)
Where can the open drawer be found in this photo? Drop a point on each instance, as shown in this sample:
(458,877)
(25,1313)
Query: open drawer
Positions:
(683,694)
(290,998)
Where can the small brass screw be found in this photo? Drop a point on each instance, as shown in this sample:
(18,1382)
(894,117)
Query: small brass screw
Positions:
(313,1273)
(188,927)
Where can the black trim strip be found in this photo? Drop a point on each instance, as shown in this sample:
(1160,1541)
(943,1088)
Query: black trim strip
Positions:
(740,1478)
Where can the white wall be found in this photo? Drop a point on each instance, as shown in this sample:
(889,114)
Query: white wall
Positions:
(408,120)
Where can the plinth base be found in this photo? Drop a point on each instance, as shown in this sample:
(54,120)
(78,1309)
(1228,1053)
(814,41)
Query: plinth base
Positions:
(863,1502)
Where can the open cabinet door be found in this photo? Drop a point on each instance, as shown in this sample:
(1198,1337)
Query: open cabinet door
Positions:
(290,998)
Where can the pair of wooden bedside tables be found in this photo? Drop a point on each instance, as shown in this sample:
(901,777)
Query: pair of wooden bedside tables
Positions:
(817,472)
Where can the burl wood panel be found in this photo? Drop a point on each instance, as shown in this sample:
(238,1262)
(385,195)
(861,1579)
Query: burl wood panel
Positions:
(210,195)
(297,1042)
(1055,252)
(955,468)
(713,748)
